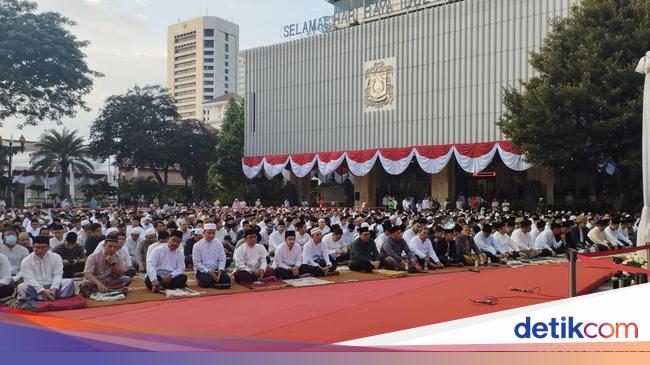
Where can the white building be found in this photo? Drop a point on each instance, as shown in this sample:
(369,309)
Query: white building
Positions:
(202,59)
(214,110)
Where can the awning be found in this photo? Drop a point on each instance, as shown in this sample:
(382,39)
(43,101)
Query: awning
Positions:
(472,157)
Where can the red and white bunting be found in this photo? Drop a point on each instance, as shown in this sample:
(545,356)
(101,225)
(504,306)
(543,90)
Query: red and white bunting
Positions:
(472,157)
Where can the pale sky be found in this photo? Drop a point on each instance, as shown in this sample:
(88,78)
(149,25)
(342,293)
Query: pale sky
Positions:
(128,39)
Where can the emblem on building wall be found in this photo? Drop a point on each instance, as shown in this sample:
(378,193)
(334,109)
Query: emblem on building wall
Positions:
(379,88)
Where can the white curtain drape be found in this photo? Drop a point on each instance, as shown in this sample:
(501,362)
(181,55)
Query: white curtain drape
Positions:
(643,235)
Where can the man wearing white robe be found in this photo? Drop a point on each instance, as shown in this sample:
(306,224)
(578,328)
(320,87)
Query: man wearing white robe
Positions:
(209,259)
(288,258)
(250,260)
(42,274)
(316,260)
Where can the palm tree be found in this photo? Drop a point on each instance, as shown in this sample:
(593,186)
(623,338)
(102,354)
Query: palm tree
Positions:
(60,151)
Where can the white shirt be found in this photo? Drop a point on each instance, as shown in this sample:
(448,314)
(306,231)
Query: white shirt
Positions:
(40,272)
(488,244)
(162,261)
(302,239)
(221,234)
(313,251)
(423,248)
(15,255)
(522,239)
(54,242)
(332,245)
(379,242)
(275,239)
(5,271)
(131,244)
(122,253)
(506,242)
(208,256)
(616,236)
(249,258)
(286,257)
(546,240)
(408,235)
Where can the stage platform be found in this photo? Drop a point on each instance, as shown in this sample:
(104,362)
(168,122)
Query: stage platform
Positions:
(300,318)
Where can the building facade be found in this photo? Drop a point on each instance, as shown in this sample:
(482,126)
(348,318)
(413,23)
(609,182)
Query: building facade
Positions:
(202,59)
(398,94)
(215,109)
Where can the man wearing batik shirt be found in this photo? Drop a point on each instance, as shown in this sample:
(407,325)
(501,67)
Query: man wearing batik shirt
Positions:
(43,274)
(392,250)
(288,258)
(73,255)
(316,260)
(250,260)
(105,270)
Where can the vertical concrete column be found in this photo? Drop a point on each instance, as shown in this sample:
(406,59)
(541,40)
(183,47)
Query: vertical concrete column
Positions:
(443,184)
(365,189)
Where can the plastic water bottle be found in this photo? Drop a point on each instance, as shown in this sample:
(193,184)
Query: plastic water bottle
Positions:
(476,263)
(489,261)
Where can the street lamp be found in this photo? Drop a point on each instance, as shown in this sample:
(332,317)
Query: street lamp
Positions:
(9,191)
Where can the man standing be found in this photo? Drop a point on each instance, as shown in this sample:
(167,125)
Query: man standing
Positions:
(42,274)
(250,260)
(364,256)
(166,265)
(209,259)
(288,258)
(73,255)
(316,260)
(105,270)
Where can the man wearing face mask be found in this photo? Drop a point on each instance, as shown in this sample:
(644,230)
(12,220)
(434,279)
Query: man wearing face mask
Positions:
(15,254)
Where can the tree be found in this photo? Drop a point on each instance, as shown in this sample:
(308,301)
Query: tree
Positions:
(143,129)
(584,108)
(43,71)
(226,173)
(196,146)
(100,189)
(60,151)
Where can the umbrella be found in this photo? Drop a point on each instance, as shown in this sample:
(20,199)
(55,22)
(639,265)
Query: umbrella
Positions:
(643,235)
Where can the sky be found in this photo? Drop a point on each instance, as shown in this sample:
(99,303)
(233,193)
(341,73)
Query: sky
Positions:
(128,40)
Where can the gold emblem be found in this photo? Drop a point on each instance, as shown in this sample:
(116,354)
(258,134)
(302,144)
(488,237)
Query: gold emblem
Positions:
(379,85)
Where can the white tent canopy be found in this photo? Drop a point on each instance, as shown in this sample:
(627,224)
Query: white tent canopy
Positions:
(643,235)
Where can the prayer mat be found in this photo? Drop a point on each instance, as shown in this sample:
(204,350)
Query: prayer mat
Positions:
(309,281)
(76,302)
(265,285)
(108,297)
(390,273)
(180,293)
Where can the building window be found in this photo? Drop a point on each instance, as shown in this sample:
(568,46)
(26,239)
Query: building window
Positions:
(208,90)
(208,60)
(226,87)
(208,82)
(208,75)
(208,44)
(209,53)
(226,37)
(225,78)
(208,32)
(225,56)
(226,46)
(207,97)
(226,63)
(226,71)
(209,68)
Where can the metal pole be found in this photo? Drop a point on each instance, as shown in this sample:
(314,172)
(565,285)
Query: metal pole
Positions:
(572,272)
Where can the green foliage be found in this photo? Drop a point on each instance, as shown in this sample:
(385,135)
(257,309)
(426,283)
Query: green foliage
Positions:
(227,179)
(59,151)
(43,71)
(584,108)
(143,129)
(131,189)
(100,190)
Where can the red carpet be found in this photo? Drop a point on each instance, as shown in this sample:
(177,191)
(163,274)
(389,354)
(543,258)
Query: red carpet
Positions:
(335,313)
